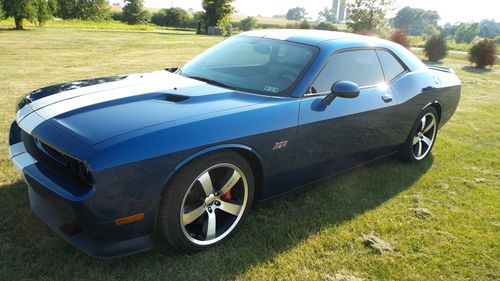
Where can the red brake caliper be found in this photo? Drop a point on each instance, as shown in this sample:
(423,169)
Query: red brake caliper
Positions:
(227,196)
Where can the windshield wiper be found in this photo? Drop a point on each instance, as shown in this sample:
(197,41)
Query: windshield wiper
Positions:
(212,82)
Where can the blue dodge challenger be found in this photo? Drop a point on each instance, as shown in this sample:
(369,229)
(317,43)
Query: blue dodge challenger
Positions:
(187,152)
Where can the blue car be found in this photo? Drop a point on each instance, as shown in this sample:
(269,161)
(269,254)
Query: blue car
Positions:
(187,152)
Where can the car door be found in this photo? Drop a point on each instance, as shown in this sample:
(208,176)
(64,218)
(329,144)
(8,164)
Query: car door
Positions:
(348,131)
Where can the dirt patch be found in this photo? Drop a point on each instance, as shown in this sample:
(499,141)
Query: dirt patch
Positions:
(422,213)
(376,243)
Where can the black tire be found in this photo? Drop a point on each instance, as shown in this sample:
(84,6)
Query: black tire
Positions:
(410,149)
(187,184)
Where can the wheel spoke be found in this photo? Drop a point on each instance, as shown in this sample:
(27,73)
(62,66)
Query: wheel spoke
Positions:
(427,140)
(206,183)
(430,126)
(230,208)
(189,217)
(235,177)
(419,152)
(211,226)
(415,140)
(423,121)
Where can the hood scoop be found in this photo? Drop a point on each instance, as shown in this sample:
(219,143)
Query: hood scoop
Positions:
(175,98)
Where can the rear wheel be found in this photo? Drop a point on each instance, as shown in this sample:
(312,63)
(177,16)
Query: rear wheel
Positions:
(206,201)
(422,137)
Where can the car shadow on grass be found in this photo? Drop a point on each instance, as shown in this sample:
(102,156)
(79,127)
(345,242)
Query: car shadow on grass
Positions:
(31,250)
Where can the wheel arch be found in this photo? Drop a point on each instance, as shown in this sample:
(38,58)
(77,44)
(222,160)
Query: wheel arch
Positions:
(248,153)
(437,105)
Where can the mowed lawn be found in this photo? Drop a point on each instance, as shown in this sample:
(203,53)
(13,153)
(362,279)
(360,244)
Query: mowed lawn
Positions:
(441,218)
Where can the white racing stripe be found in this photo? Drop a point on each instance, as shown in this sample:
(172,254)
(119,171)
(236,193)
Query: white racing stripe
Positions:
(57,104)
(20,157)
(16,149)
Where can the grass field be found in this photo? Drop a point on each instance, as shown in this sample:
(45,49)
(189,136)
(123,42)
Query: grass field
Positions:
(441,218)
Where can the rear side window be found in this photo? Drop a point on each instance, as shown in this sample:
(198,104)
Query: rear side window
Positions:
(392,67)
(361,67)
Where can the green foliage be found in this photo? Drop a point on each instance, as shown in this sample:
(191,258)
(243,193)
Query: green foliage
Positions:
(304,24)
(43,12)
(297,13)
(466,32)
(217,13)
(134,12)
(483,53)
(2,13)
(489,28)
(20,10)
(414,20)
(450,29)
(435,47)
(326,25)
(328,15)
(497,40)
(96,10)
(52,6)
(368,16)
(401,37)
(248,23)
(430,30)
(176,17)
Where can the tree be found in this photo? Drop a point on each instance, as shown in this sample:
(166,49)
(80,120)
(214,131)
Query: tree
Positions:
(489,28)
(2,13)
(20,10)
(134,12)
(176,17)
(43,12)
(466,32)
(414,20)
(248,23)
(429,30)
(436,48)
(450,29)
(297,13)
(52,6)
(217,13)
(483,53)
(96,10)
(368,15)
(328,15)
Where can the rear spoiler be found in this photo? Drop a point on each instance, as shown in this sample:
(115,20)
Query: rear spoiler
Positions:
(440,68)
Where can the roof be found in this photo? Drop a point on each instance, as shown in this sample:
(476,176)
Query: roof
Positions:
(303,36)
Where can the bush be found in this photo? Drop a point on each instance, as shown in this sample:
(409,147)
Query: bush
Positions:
(248,23)
(435,47)
(483,53)
(497,40)
(326,25)
(304,25)
(401,37)
(176,17)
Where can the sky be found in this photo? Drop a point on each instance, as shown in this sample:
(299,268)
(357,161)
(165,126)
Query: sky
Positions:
(449,10)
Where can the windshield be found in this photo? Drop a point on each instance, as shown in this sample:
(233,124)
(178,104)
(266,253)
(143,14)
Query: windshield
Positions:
(257,65)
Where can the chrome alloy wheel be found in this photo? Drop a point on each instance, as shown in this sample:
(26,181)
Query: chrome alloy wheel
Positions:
(214,204)
(424,137)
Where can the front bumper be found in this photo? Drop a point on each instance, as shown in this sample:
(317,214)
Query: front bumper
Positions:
(68,215)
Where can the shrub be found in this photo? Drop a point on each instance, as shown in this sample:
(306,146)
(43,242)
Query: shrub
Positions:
(483,53)
(326,25)
(435,47)
(497,40)
(248,23)
(176,17)
(304,25)
(401,37)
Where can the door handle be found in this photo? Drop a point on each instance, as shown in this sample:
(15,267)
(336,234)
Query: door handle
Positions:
(387,98)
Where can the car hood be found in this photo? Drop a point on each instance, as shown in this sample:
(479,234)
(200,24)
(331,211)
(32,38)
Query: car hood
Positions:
(99,109)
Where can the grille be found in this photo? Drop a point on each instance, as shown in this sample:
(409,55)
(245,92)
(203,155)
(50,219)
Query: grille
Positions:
(58,162)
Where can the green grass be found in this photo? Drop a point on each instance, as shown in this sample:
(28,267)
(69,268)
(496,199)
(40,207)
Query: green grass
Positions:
(313,235)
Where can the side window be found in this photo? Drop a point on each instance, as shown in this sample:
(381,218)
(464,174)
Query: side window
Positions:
(361,67)
(392,67)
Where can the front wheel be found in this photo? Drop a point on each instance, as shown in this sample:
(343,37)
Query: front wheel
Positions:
(422,137)
(206,201)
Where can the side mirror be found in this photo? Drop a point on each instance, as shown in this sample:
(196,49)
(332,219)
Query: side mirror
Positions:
(341,89)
